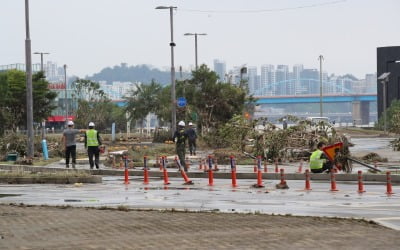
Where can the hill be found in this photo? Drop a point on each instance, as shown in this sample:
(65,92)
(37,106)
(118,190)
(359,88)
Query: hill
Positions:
(138,73)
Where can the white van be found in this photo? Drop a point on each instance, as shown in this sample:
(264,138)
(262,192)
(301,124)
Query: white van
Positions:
(317,119)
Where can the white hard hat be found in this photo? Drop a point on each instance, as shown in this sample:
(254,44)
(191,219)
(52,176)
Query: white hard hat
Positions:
(91,124)
(190,123)
(70,123)
(181,123)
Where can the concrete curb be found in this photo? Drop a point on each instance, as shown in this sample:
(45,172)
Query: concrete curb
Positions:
(217,175)
(50,180)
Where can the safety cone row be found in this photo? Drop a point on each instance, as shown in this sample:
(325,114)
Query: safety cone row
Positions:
(162,161)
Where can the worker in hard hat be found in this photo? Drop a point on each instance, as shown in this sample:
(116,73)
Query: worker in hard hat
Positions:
(319,161)
(180,137)
(192,136)
(284,124)
(69,142)
(93,142)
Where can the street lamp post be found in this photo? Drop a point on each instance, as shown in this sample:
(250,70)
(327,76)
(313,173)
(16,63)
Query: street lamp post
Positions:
(195,44)
(29,98)
(41,59)
(320,58)
(172,45)
(65,95)
(384,78)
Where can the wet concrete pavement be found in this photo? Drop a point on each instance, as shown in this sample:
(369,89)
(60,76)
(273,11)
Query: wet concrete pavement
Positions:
(374,204)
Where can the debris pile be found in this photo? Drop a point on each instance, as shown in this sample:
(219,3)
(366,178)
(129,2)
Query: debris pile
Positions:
(296,142)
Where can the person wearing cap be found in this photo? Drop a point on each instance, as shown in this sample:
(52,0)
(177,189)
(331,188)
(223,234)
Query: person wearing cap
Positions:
(180,137)
(69,141)
(192,136)
(92,143)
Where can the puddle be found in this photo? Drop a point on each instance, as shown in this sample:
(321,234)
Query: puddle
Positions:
(7,195)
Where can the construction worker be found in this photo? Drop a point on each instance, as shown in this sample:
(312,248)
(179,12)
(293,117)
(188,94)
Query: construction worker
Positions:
(318,160)
(284,124)
(93,142)
(180,137)
(69,141)
(192,136)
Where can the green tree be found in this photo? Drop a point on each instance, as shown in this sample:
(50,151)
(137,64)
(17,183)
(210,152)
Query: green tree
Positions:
(13,99)
(214,102)
(392,118)
(95,106)
(143,100)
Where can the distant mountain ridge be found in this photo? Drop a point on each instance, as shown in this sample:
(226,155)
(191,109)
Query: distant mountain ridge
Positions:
(139,73)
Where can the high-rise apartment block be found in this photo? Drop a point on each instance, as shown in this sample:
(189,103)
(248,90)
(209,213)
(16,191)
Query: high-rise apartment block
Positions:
(220,69)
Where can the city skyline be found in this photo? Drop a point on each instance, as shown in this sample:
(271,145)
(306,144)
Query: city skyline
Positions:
(103,33)
(282,79)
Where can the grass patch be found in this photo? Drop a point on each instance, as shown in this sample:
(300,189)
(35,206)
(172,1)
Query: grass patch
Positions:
(64,174)
(42,162)
(151,151)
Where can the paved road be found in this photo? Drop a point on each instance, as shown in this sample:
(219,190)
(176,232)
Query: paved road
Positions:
(80,228)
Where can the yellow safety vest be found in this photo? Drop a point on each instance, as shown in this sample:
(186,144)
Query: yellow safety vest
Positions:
(91,138)
(315,160)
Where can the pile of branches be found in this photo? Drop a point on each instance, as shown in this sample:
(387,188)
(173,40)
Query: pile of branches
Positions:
(395,144)
(262,138)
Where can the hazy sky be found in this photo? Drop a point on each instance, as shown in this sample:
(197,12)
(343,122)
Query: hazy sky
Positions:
(89,35)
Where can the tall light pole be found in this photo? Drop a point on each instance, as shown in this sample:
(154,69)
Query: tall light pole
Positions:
(41,59)
(320,58)
(172,45)
(384,78)
(65,94)
(29,98)
(195,44)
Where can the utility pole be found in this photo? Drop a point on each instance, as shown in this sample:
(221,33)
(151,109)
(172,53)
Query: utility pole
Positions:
(29,98)
(65,95)
(320,58)
(195,45)
(41,59)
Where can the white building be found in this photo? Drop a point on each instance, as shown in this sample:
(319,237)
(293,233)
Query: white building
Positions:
(267,79)
(220,69)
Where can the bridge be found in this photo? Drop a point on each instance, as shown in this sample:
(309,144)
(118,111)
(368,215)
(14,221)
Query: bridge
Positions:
(360,102)
(329,98)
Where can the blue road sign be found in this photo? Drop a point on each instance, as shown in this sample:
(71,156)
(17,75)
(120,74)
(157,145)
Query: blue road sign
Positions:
(181,101)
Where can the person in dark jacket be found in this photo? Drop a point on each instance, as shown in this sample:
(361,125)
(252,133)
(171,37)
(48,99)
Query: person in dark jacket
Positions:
(180,137)
(192,136)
